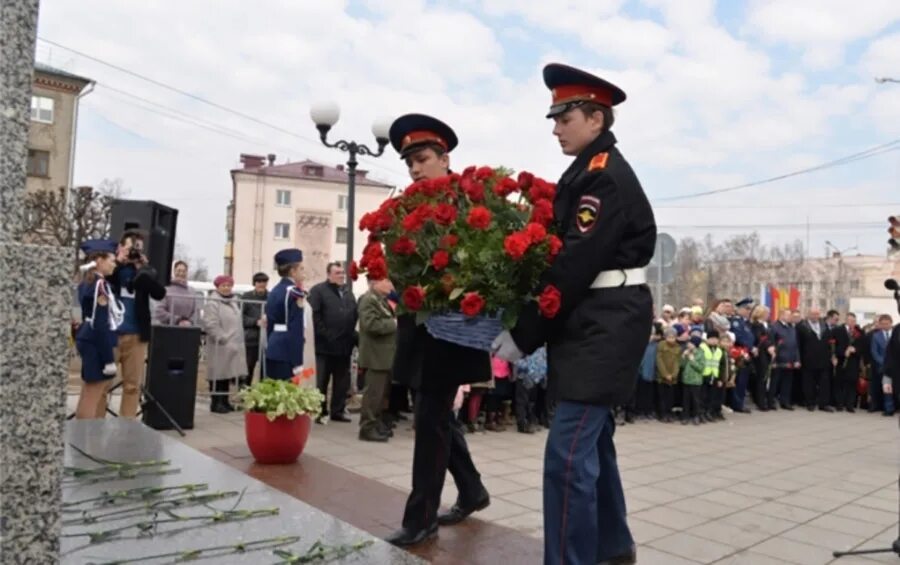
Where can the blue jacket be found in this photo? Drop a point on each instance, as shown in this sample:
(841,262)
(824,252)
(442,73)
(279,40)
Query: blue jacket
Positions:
(647,369)
(284,323)
(879,348)
(787,348)
(95,338)
(743,335)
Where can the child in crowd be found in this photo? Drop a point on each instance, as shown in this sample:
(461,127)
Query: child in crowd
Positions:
(646,376)
(712,357)
(497,397)
(530,373)
(726,378)
(692,380)
(668,358)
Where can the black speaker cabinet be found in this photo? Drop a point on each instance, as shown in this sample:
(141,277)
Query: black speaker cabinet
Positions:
(172,376)
(156,222)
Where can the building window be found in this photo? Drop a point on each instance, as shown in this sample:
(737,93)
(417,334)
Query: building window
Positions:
(313,171)
(342,202)
(282,231)
(38,163)
(283,197)
(42,109)
(854,285)
(341,235)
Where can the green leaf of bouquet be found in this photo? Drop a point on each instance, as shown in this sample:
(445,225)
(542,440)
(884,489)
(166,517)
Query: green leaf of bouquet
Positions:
(456,293)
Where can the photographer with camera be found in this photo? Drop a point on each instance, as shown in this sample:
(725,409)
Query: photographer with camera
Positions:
(134,282)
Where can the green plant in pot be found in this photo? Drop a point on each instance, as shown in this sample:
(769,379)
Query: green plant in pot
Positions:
(277,418)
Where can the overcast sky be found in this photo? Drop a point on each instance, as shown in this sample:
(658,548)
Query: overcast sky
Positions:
(719,94)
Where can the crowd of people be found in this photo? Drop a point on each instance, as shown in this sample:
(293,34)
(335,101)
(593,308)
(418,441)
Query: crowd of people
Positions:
(713,361)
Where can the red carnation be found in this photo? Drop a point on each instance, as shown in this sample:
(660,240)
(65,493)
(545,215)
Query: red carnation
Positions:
(472,304)
(445,214)
(373,238)
(365,222)
(469,171)
(413,222)
(372,251)
(505,186)
(541,190)
(473,189)
(441,183)
(549,301)
(404,246)
(440,260)
(516,245)
(484,173)
(413,297)
(525,180)
(536,232)
(555,245)
(479,218)
(542,212)
(377,269)
(354,271)
(449,241)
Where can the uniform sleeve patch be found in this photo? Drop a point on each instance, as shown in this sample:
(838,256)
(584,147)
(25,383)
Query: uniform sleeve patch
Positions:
(587,214)
(598,162)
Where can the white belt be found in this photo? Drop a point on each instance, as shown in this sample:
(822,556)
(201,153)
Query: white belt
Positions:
(279,328)
(620,277)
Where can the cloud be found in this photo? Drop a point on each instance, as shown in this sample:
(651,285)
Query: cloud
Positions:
(705,105)
(822,29)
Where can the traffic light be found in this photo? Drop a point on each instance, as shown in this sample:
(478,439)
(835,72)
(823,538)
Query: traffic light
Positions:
(894,230)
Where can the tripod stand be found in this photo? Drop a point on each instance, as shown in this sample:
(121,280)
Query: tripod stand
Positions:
(147,399)
(895,547)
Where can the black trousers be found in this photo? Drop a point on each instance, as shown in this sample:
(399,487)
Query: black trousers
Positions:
(524,403)
(817,387)
(399,399)
(715,397)
(334,369)
(644,397)
(845,385)
(666,397)
(692,405)
(785,389)
(439,446)
(252,352)
(774,389)
(759,384)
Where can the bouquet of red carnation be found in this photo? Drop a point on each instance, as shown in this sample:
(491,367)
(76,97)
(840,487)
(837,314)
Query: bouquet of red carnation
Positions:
(465,245)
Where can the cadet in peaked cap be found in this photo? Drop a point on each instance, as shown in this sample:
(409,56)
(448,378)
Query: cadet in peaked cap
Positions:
(412,132)
(285,318)
(609,235)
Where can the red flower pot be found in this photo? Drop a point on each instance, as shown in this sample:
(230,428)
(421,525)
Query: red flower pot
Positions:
(279,441)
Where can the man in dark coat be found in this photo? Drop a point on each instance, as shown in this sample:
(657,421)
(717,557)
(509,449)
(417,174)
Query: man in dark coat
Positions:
(787,360)
(334,318)
(435,368)
(848,339)
(597,336)
(252,314)
(815,361)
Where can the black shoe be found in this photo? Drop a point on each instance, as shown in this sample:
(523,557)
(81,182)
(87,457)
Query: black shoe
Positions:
(525,428)
(373,434)
(685,421)
(851,410)
(458,512)
(811,408)
(406,538)
(887,414)
(743,410)
(384,430)
(629,558)
(788,407)
(341,418)
(629,419)
(697,421)
(219,408)
(826,408)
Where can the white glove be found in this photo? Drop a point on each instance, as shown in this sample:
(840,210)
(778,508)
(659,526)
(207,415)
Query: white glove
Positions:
(298,369)
(109,369)
(505,347)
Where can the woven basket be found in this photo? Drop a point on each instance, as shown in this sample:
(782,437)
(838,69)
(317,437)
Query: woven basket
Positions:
(477,332)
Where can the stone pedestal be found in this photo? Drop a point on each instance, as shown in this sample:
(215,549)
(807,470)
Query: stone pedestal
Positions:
(34,324)
(34,349)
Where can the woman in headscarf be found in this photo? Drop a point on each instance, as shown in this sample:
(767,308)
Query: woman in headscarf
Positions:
(226,359)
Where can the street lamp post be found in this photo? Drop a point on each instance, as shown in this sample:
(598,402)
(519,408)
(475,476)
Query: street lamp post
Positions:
(325,116)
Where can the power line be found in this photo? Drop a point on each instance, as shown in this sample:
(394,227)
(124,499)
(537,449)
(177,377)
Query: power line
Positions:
(868,153)
(208,102)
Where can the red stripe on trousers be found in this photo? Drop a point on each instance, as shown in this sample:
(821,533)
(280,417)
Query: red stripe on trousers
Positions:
(562,535)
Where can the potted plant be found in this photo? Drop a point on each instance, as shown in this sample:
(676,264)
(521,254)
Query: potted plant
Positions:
(277,418)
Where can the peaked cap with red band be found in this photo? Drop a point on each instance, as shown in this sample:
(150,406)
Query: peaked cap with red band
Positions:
(410,132)
(572,87)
